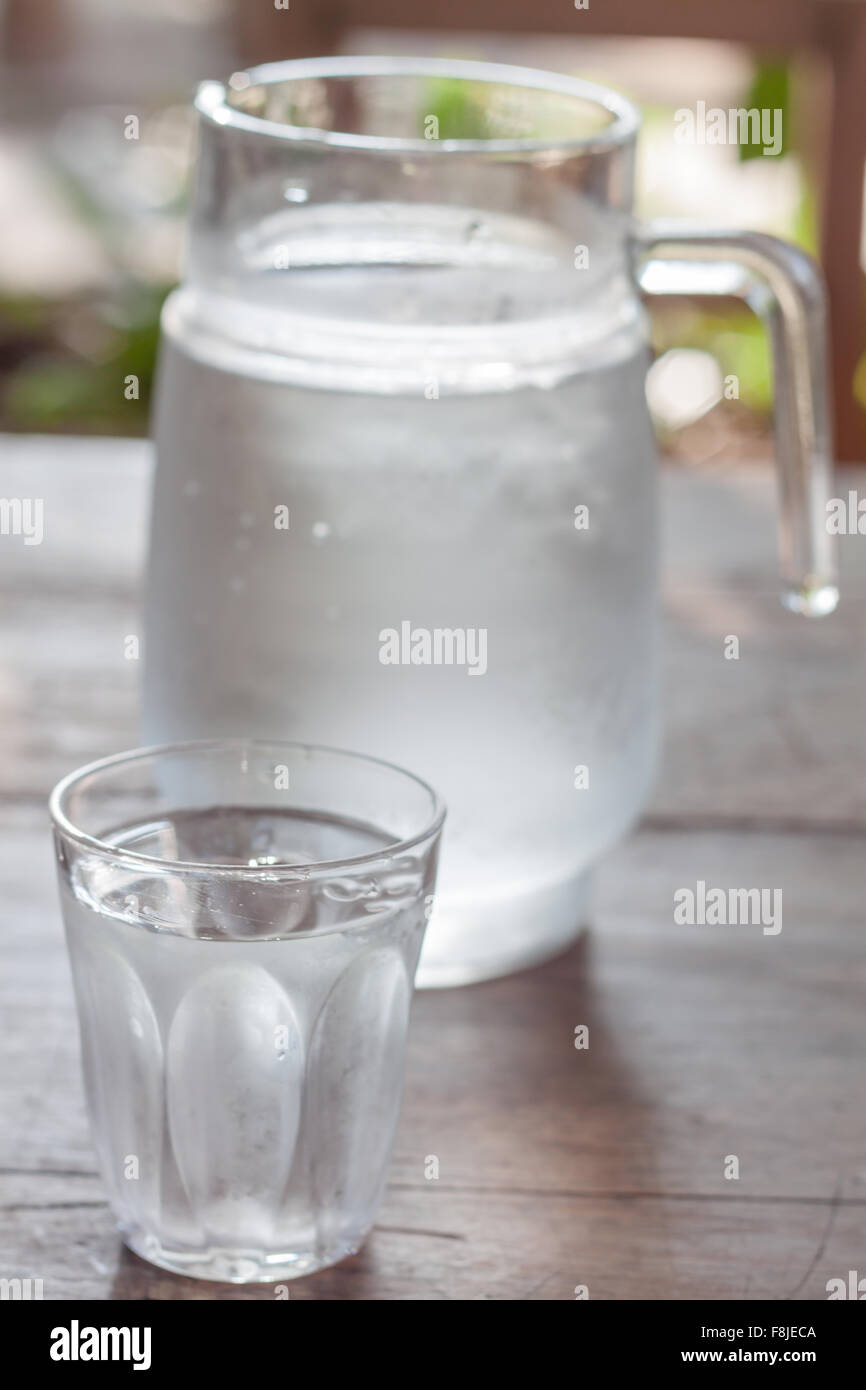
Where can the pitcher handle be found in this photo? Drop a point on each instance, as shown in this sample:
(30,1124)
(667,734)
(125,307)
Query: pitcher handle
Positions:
(785,287)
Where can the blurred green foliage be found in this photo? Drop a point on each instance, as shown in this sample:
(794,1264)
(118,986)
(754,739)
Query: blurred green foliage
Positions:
(54,385)
(734,336)
(770,90)
(458,107)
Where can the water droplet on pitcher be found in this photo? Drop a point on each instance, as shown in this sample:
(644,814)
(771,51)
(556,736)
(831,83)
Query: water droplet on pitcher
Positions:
(320,530)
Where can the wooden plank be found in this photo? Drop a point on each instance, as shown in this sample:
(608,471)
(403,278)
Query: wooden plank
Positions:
(440,1246)
(272,32)
(35,33)
(774,24)
(844,40)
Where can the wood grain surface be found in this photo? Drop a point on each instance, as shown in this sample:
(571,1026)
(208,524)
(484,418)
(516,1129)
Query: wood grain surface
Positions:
(558,1167)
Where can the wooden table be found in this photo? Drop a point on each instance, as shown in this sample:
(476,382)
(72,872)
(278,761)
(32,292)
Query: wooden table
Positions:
(557,1167)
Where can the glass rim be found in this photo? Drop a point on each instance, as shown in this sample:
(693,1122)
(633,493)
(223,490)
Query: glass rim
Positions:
(212,103)
(268,872)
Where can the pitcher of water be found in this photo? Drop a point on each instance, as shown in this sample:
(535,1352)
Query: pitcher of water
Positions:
(406,487)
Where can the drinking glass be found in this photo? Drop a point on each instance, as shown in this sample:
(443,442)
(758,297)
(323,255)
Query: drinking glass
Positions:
(244,920)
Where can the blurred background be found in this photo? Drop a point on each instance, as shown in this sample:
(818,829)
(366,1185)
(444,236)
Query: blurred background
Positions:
(91,239)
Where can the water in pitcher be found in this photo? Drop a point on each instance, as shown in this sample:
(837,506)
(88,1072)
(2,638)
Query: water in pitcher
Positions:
(392,514)
(243,1040)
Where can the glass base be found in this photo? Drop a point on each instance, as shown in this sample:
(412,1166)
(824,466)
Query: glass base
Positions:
(496,939)
(224,1266)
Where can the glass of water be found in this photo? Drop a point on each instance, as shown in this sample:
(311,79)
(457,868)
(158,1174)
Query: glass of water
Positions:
(244,920)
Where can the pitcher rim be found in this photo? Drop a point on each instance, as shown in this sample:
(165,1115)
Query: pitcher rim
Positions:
(213,105)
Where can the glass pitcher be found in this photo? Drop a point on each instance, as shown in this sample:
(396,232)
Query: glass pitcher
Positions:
(405,498)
